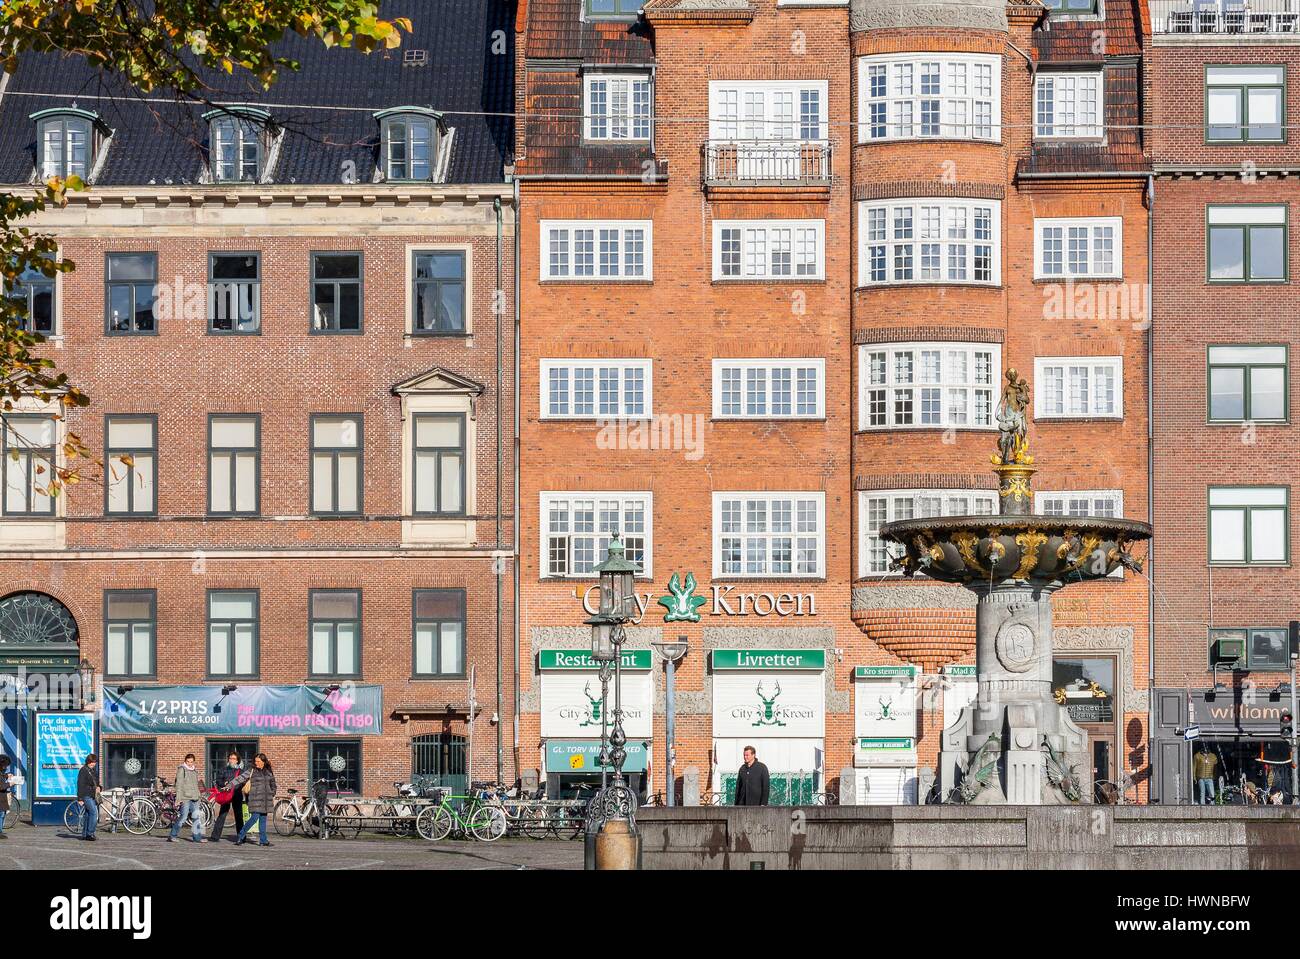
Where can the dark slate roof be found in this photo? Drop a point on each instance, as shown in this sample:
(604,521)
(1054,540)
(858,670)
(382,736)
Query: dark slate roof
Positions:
(325,108)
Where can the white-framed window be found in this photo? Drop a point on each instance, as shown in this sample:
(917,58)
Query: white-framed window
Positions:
(769,389)
(596,389)
(878,507)
(1249,525)
(929,241)
(577,528)
(1077,386)
(617,106)
(1096,503)
(597,250)
(1071,248)
(927,385)
(932,95)
(410,145)
(66,143)
(1245,104)
(769,535)
(235,149)
(1107,503)
(769,249)
(1068,104)
(784,110)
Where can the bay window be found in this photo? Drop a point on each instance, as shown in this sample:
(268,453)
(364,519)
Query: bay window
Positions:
(929,241)
(927,385)
(939,96)
(878,507)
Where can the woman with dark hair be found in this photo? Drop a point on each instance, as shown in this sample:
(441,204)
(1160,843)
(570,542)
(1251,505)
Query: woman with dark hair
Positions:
(4,794)
(228,798)
(258,784)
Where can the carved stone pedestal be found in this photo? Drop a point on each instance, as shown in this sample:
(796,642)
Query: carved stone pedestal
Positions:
(1015,744)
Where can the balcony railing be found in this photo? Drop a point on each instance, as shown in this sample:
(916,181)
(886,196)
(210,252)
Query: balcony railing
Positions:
(767,163)
(1225,16)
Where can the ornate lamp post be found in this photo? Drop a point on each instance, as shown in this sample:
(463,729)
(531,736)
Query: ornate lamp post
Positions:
(617,843)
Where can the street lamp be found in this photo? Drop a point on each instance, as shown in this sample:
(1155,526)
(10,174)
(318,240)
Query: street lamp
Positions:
(617,843)
(670,651)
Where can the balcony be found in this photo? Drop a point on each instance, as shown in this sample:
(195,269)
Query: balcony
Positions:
(1225,17)
(767,163)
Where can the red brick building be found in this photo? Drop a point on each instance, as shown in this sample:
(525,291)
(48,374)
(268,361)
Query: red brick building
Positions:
(294,316)
(999,181)
(684,377)
(1223,444)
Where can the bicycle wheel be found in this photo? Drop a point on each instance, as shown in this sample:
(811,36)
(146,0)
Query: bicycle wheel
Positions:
(140,817)
(74,817)
(569,822)
(285,818)
(488,823)
(536,822)
(434,823)
(344,822)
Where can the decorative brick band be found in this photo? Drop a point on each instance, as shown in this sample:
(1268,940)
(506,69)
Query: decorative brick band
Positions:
(898,188)
(925,481)
(909,334)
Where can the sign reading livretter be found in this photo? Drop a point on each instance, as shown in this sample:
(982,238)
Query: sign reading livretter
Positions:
(769,659)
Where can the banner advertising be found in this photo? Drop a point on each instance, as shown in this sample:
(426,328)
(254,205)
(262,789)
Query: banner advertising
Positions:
(350,710)
(583,756)
(63,741)
(769,704)
(884,701)
(571,706)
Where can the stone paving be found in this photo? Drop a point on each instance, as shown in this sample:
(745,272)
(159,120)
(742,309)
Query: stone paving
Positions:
(52,847)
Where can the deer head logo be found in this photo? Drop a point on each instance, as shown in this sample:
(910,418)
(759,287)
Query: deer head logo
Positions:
(767,714)
(593,707)
(682,605)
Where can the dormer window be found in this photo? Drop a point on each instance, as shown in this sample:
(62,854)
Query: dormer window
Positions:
(411,141)
(598,9)
(67,141)
(237,145)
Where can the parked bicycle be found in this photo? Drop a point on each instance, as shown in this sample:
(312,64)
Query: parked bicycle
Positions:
(162,796)
(116,808)
(479,815)
(1108,793)
(297,813)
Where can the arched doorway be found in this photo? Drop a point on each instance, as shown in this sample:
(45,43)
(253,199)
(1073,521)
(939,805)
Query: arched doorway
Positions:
(40,668)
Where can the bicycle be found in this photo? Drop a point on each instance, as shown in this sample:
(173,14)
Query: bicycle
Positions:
(137,816)
(293,814)
(477,816)
(1109,793)
(162,796)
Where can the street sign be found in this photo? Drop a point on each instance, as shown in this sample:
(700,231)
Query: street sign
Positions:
(1192,732)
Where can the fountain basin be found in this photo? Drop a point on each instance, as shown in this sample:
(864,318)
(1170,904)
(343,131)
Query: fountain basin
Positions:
(988,550)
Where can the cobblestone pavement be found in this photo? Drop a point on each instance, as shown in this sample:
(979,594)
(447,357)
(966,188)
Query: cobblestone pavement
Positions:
(52,847)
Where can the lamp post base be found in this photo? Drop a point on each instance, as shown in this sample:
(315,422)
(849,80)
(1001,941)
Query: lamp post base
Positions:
(617,846)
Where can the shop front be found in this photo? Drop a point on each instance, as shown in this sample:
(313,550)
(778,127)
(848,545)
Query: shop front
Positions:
(775,701)
(1085,686)
(573,716)
(884,729)
(1236,741)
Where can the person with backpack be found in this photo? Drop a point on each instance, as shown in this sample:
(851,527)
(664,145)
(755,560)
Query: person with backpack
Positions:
(228,797)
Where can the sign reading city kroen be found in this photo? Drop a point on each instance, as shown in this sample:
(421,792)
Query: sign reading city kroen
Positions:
(683,606)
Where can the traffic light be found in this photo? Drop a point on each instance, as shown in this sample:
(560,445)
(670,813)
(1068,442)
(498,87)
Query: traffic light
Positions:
(1287,724)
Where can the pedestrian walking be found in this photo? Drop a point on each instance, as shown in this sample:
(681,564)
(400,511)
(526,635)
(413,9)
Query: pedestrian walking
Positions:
(229,798)
(189,799)
(258,784)
(5,788)
(752,782)
(88,795)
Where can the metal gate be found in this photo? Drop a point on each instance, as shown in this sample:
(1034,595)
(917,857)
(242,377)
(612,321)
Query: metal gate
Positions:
(439,759)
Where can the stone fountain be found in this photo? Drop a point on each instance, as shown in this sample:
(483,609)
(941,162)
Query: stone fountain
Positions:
(1015,744)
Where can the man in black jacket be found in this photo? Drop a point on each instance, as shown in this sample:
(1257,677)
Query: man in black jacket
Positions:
(224,778)
(752,781)
(88,793)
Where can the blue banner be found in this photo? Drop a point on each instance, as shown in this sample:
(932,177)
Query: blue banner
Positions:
(63,741)
(350,710)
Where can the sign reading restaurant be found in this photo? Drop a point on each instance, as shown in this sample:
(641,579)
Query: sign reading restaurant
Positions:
(581,659)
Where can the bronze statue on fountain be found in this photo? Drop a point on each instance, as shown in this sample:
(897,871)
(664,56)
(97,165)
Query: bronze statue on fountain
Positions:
(1015,743)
